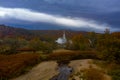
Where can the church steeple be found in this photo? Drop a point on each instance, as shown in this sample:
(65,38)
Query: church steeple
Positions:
(64,37)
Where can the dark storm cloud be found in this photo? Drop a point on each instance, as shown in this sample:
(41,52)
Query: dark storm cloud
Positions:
(102,11)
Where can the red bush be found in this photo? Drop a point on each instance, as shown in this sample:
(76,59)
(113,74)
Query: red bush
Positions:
(72,55)
(12,65)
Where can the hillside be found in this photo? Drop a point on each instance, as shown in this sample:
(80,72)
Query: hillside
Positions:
(7,31)
(57,33)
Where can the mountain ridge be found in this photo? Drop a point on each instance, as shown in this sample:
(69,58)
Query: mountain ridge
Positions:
(8,31)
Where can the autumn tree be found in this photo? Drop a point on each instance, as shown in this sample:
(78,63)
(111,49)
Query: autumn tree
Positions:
(9,46)
(35,44)
(39,45)
(109,47)
(80,42)
(92,38)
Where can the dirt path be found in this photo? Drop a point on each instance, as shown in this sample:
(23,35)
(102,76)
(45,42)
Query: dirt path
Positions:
(46,70)
(43,71)
(79,65)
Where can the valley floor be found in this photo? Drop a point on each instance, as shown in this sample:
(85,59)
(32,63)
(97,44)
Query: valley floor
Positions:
(46,70)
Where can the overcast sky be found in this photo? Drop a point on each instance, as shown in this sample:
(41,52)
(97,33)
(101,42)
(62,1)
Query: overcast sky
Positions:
(87,15)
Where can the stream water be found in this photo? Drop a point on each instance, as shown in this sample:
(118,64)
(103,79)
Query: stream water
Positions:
(64,72)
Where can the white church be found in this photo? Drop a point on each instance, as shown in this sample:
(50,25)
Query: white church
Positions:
(62,40)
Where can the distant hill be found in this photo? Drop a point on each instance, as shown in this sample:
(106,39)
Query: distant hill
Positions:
(57,33)
(7,31)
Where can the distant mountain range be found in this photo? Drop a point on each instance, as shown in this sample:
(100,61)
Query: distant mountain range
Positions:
(8,31)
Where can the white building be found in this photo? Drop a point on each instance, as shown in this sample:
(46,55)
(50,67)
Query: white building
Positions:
(62,40)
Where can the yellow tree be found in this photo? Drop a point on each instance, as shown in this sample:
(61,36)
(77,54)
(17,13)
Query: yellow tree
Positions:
(80,42)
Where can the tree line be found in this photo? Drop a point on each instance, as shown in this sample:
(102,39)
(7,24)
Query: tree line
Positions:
(106,44)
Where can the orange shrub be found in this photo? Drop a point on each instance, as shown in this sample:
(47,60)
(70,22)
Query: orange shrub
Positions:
(13,65)
(93,74)
(72,55)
